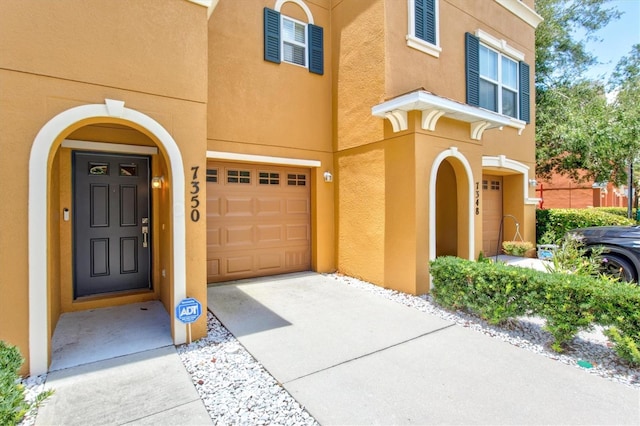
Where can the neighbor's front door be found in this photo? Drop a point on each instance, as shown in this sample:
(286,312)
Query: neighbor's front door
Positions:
(111,223)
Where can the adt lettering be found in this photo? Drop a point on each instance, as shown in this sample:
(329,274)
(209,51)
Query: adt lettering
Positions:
(189,310)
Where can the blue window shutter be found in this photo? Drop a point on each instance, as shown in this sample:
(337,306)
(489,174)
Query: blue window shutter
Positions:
(419,14)
(425,16)
(525,98)
(472,52)
(316,50)
(430,20)
(271,35)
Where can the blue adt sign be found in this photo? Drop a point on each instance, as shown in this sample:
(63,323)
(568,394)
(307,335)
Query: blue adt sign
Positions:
(188,310)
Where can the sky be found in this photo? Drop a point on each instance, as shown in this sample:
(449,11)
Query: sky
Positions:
(617,38)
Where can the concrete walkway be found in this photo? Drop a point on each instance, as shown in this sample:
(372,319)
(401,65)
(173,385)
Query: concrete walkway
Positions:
(150,387)
(351,357)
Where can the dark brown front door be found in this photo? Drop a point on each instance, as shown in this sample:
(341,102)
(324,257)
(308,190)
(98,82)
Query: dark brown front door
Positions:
(111,223)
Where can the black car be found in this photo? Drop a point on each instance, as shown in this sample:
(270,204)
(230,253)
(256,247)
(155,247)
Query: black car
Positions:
(621,255)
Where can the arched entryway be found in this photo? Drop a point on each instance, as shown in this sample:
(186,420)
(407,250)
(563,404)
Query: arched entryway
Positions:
(451,208)
(46,143)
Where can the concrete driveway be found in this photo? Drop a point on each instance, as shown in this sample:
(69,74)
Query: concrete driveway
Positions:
(352,357)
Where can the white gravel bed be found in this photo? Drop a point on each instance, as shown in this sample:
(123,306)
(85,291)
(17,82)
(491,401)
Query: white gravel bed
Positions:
(33,386)
(235,388)
(591,346)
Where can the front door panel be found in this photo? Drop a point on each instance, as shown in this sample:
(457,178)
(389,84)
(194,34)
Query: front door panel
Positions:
(111,225)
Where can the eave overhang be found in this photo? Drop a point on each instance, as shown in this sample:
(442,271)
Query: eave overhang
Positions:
(433,107)
(209,4)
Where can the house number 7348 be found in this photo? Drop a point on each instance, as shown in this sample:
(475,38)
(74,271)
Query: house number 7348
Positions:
(195,190)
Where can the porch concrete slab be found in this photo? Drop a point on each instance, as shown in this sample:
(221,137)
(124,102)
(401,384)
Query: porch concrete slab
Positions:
(146,387)
(298,324)
(351,357)
(94,335)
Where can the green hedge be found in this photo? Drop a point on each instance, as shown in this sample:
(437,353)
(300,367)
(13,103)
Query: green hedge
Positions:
(569,303)
(13,406)
(558,221)
(616,211)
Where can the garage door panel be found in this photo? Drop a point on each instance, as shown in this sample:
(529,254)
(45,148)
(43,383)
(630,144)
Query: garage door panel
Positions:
(269,234)
(298,232)
(239,236)
(296,258)
(269,206)
(213,237)
(268,261)
(239,206)
(213,267)
(239,264)
(213,207)
(298,206)
(260,226)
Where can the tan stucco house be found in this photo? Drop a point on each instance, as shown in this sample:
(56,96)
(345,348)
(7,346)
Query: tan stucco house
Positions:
(149,148)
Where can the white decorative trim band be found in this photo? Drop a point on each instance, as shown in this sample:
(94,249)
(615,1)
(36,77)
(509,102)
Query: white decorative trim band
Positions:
(109,147)
(433,107)
(522,11)
(264,159)
(501,161)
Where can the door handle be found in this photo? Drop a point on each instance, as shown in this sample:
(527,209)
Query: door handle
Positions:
(145,236)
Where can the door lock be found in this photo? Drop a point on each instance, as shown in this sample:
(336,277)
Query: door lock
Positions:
(145,232)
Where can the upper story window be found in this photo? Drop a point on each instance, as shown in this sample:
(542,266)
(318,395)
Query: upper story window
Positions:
(498,82)
(497,78)
(292,41)
(423,26)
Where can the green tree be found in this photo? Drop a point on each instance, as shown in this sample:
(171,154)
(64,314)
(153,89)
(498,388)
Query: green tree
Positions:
(574,130)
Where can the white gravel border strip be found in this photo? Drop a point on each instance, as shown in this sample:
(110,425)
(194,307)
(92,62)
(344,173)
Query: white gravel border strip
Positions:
(234,387)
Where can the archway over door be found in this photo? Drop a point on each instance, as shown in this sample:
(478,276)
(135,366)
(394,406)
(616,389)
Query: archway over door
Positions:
(446,211)
(45,144)
(450,167)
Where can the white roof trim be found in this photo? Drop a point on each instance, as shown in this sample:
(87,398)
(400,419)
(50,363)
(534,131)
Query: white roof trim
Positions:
(209,4)
(264,159)
(433,107)
(522,11)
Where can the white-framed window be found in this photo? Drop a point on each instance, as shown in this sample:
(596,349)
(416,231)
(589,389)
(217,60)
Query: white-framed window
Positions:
(498,82)
(423,26)
(497,77)
(294,41)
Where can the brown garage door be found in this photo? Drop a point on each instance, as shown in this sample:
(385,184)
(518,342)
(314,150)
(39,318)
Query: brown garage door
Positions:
(491,213)
(258,220)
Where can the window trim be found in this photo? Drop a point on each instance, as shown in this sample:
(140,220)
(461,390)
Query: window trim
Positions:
(417,43)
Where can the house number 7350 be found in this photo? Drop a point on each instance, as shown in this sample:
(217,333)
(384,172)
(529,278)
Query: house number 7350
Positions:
(195,190)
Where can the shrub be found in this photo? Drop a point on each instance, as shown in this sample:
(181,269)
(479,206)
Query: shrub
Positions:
(568,302)
(556,222)
(491,290)
(616,211)
(13,406)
